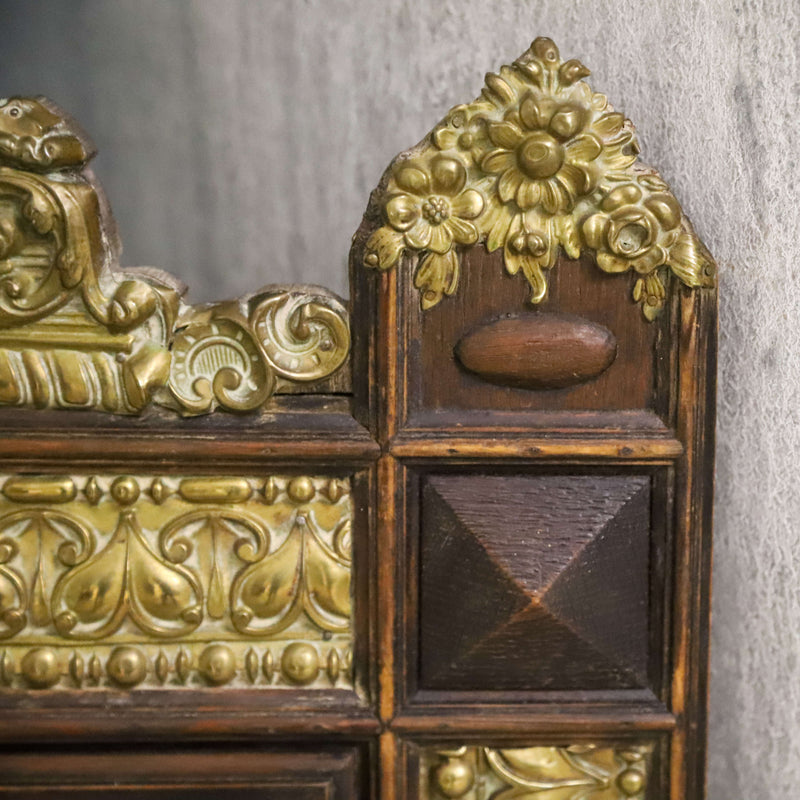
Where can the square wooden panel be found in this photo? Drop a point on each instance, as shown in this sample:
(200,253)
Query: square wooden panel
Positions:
(202,773)
(633,392)
(537,582)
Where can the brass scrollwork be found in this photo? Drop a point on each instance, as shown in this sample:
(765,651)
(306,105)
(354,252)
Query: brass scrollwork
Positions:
(217,364)
(218,532)
(304,575)
(172,581)
(43,540)
(77,331)
(538,162)
(124,579)
(574,772)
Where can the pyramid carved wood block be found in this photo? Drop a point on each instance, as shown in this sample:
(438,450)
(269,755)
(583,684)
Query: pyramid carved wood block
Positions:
(535,582)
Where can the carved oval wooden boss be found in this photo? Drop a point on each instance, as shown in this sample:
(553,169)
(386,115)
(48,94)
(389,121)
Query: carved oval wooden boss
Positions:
(538,350)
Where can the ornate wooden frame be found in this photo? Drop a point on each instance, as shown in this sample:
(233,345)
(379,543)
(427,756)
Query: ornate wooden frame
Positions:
(466,555)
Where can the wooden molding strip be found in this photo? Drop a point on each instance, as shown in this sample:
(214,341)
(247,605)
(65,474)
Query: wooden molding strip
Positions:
(662,449)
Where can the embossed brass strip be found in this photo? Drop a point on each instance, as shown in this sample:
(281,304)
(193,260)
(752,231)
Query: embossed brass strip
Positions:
(150,580)
(193,665)
(215,490)
(575,772)
(54,337)
(39,490)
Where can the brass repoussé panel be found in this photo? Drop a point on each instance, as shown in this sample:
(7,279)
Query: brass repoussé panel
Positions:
(166,581)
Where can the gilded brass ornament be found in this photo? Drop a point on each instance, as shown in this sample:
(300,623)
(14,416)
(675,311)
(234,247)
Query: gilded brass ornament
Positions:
(300,663)
(538,162)
(576,772)
(77,331)
(168,581)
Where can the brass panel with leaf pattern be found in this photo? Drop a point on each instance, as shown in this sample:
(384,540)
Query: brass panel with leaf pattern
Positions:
(574,772)
(164,581)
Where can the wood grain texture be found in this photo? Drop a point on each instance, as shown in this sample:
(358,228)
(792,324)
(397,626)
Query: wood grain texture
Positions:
(487,291)
(221,773)
(694,514)
(480,630)
(537,350)
(297,429)
(534,582)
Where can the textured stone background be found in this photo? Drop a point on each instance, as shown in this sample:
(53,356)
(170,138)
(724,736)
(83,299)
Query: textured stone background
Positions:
(227,127)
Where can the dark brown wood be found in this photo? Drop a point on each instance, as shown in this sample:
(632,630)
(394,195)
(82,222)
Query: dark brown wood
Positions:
(464,490)
(318,772)
(199,716)
(551,721)
(534,582)
(297,429)
(576,288)
(537,350)
(694,506)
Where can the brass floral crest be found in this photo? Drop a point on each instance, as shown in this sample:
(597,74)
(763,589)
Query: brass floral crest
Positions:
(538,162)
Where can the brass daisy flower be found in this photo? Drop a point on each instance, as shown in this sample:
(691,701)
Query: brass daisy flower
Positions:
(433,209)
(543,153)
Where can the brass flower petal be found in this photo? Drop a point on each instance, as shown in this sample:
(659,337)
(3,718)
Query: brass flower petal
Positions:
(419,236)
(413,180)
(402,211)
(505,134)
(436,276)
(467,205)
(448,176)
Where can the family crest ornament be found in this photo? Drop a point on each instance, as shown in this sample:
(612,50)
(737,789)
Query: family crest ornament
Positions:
(77,331)
(538,162)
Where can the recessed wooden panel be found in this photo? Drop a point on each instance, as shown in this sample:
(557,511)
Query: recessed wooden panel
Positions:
(535,582)
(437,381)
(201,773)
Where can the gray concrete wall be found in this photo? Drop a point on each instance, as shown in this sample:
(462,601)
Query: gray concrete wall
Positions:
(226,126)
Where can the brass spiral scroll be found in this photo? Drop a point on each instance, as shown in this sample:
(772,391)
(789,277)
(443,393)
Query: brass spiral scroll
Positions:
(77,331)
